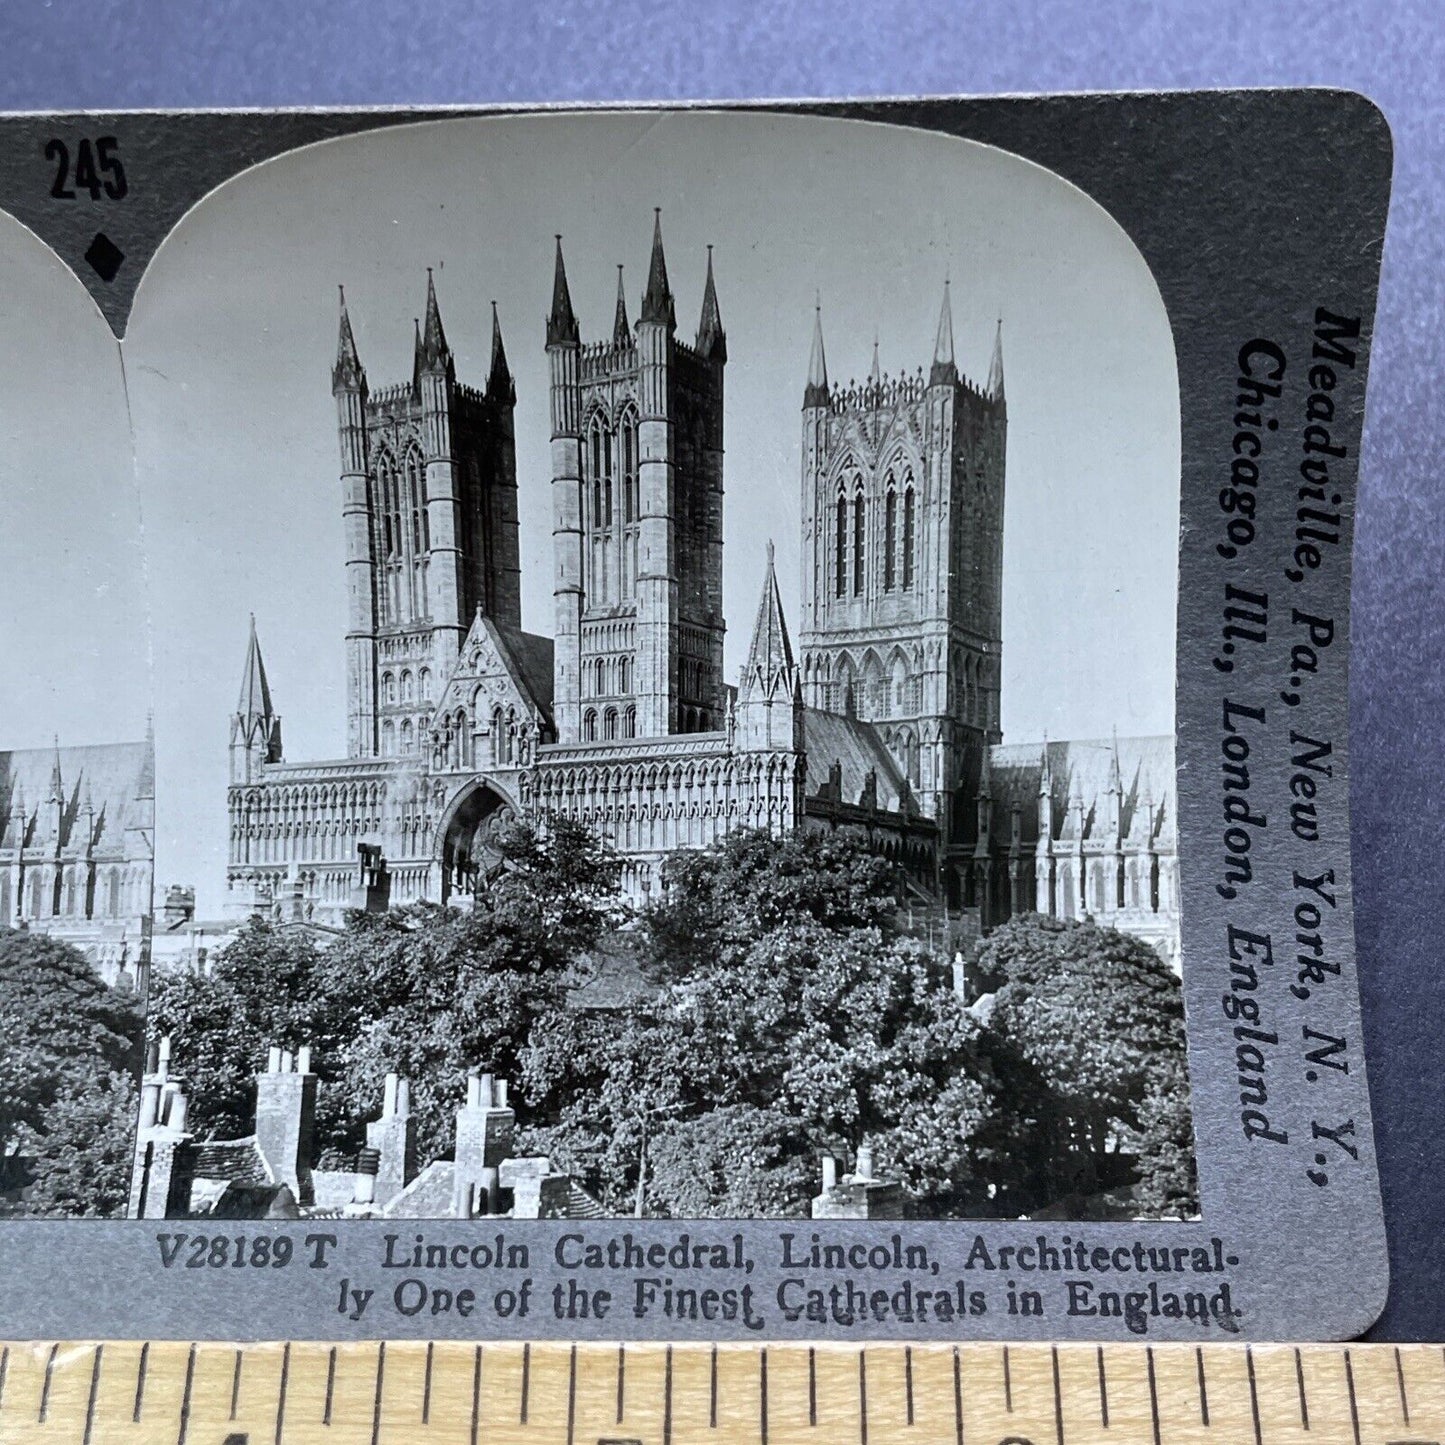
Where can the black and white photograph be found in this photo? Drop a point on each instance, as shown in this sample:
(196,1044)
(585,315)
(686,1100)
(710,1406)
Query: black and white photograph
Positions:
(660,631)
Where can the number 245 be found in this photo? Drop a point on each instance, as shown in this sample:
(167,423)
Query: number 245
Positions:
(97,169)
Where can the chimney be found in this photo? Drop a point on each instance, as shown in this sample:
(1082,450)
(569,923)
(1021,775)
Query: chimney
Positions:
(160,1186)
(485,1125)
(859,1195)
(393,1139)
(286,1120)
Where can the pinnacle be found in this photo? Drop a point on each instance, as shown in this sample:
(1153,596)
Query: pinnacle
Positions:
(995,366)
(770,657)
(816,393)
(561,321)
(436,354)
(347,374)
(944,366)
(621,327)
(255,699)
(499,380)
(657,299)
(711,339)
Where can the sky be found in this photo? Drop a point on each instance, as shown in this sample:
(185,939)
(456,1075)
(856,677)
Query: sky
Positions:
(224,498)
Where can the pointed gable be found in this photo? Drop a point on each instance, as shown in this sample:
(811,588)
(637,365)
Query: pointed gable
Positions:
(501,667)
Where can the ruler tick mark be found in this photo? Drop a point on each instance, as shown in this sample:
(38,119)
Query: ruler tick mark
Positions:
(1008,1384)
(376,1402)
(1203,1389)
(330,1386)
(863,1397)
(762,1392)
(621,1382)
(426,1384)
(140,1383)
(1354,1404)
(572,1395)
(1400,1377)
(812,1386)
(667,1394)
(94,1390)
(1103,1391)
(1299,1379)
(186,1395)
(236,1384)
(908,1381)
(1058,1397)
(712,1395)
(1253,1395)
(476,1393)
(526,1380)
(45,1388)
(957,1397)
(4,1370)
(281,1397)
(1153,1391)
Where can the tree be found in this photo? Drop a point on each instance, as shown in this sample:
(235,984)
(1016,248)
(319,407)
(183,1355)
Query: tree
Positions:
(69,1053)
(61,1021)
(1099,1018)
(84,1152)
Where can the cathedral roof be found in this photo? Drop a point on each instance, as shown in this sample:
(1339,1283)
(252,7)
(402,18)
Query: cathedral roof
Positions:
(1081,771)
(857,750)
(530,656)
(111,778)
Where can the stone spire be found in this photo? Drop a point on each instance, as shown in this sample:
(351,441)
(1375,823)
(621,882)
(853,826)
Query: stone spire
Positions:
(347,374)
(621,327)
(255,699)
(995,366)
(435,354)
(711,339)
(500,386)
(561,322)
(770,670)
(944,369)
(816,391)
(875,372)
(657,299)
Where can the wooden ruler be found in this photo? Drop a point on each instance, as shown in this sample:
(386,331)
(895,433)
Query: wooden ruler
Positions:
(165,1393)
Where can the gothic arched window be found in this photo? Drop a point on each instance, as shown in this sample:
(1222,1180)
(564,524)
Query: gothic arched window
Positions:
(406,685)
(840,550)
(388,739)
(859,551)
(405,737)
(589,726)
(890,537)
(908,537)
(426,684)
(388,687)
(387,495)
(416,500)
(631,499)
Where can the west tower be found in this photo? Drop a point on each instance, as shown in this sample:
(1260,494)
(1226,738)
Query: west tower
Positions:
(637,487)
(429,501)
(903,494)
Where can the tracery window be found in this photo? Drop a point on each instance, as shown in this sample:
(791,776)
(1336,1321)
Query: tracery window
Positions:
(416,498)
(890,538)
(907,538)
(631,500)
(859,550)
(840,550)
(390,505)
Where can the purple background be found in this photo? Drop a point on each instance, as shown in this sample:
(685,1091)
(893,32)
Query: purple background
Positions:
(64,55)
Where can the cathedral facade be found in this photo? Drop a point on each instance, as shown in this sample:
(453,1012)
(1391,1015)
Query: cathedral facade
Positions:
(884,722)
(77,850)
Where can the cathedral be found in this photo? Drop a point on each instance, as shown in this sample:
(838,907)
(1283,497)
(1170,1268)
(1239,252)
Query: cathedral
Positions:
(77,850)
(883,721)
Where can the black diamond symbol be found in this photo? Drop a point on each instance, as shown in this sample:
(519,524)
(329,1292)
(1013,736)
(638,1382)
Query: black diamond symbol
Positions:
(104,256)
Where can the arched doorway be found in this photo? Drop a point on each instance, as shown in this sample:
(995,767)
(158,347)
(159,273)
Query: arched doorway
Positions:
(470,855)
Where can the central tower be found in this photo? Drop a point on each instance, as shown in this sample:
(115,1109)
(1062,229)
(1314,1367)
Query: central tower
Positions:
(903,497)
(637,487)
(429,498)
